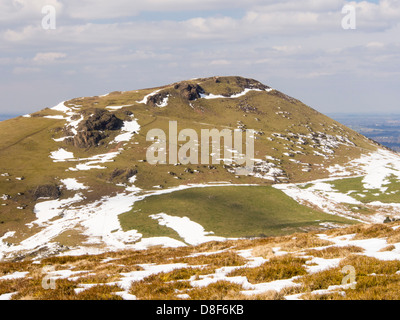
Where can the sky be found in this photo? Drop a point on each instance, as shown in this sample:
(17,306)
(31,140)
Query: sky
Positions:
(298,47)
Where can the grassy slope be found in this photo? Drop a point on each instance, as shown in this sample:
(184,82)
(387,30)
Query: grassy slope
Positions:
(27,142)
(240,211)
(354,187)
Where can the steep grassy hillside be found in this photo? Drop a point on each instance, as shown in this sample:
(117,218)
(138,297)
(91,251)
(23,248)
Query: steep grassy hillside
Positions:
(75,176)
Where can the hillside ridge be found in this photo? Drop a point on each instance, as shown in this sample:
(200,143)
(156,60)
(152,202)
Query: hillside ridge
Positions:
(76,177)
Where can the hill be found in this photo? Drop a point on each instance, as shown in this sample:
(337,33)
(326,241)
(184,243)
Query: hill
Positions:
(75,178)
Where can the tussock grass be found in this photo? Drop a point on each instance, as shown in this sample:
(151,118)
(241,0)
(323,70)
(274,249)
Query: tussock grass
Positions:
(223,259)
(213,246)
(365,266)
(334,252)
(269,295)
(32,289)
(100,277)
(151,255)
(363,231)
(388,248)
(60,260)
(220,290)
(154,288)
(319,280)
(265,252)
(11,267)
(283,267)
(100,292)
(375,231)
(300,241)
(385,287)
(376,279)
(185,273)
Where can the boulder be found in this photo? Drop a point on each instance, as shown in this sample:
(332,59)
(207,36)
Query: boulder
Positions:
(86,139)
(189,91)
(157,99)
(92,129)
(47,191)
(100,120)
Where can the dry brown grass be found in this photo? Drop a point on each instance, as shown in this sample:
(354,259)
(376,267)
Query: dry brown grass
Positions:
(100,278)
(11,267)
(365,266)
(32,289)
(223,259)
(283,267)
(394,236)
(60,260)
(376,279)
(388,248)
(334,252)
(100,292)
(319,280)
(269,295)
(185,273)
(367,288)
(151,255)
(302,241)
(374,231)
(154,288)
(220,290)
(366,231)
(213,246)
(264,251)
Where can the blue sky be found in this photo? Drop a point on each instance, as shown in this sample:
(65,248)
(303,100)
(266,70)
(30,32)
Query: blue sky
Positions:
(298,47)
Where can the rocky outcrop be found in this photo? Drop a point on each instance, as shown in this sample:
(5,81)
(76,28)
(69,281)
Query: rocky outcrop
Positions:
(189,91)
(100,120)
(87,139)
(157,99)
(47,191)
(94,128)
(123,174)
(246,83)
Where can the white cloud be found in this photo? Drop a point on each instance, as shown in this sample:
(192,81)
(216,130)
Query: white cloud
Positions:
(285,39)
(95,9)
(20,12)
(221,62)
(48,57)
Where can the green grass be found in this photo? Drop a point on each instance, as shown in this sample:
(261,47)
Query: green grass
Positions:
(237,211)
(355,187)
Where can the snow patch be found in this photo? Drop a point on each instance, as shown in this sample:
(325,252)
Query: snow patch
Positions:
(129,128)
(73,184)
(118,107)
(237,95)
(145,99)
(192,232)
(61,155)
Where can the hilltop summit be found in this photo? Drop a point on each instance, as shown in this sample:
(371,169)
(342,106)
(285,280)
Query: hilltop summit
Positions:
(74,178)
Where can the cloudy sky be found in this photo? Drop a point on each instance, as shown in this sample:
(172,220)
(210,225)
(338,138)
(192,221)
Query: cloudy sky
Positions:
(298,47)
